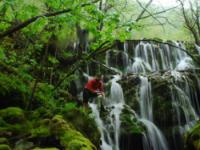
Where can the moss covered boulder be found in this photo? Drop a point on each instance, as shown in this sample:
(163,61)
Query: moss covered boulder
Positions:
(192,138)
(132,131)
(3,140)
(12,115)
(83,123)
(4,147)
(51,148)
(69,138)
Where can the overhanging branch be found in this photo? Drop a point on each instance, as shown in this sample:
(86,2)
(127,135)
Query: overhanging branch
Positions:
(144,10)
(33,19)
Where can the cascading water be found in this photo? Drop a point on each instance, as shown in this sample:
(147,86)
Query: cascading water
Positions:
(146,59)
(198,48)
(154,138)
(115,102)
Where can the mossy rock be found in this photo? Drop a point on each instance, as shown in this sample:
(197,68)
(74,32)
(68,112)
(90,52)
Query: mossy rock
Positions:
(192,138)
(3,140)
(12,115)
(131,131)
(84,124)
(130,124)
(41,112)
(23,145)
(68,136)
(42,131)
(4,147)
(51,148)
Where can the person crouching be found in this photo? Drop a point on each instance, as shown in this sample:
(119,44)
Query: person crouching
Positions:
(92,89)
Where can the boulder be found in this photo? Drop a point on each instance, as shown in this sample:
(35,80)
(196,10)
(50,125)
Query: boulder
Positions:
(12,115)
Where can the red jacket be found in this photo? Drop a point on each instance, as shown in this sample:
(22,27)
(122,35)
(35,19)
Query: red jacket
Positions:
(94,85)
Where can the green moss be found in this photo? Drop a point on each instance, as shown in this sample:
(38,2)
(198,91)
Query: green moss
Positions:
(41,131)
(69,137)
(44,95)
(3,140)
(12,115)
(14,91)
(52,148)
(129,124)
(192,138)
(13,122)
(84,124)
(41,112)
(74,140)
(4,147)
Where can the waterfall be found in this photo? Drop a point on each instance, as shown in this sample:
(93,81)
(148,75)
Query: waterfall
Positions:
(154,139)
(115,102)
(198,48)
(106,145)
(146,99)
(182,96)
(144,59)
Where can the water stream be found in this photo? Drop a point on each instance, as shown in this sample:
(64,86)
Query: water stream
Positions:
(147,58)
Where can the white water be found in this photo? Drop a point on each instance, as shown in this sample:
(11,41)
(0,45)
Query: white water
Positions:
(106,145)
(154,139)
(198,48)
(149,58)
(115,102)
(182,98)
(146,106)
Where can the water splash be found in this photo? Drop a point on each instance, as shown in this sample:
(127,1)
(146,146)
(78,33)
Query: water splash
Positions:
(153,139)
(116,103)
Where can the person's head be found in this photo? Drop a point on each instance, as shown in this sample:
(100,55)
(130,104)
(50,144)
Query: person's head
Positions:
(98,76)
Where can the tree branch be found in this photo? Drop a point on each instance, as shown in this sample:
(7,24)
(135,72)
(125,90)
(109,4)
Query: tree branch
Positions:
(33,19)
(157,13)
(144,10)
(101,49)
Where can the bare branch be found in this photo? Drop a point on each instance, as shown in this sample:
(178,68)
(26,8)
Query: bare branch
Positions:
(157,13)
(144,10)
(190,24)
(168,21)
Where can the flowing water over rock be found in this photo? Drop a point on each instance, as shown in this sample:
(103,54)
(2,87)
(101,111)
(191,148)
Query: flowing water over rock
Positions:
(182,98)
(115,104)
